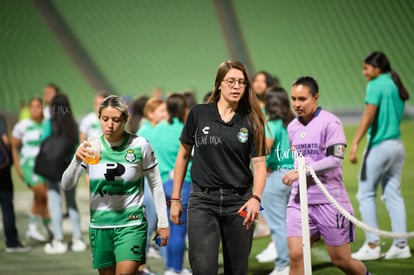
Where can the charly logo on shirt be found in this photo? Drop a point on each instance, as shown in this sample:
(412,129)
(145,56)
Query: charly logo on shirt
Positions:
(243,135)
(130,156)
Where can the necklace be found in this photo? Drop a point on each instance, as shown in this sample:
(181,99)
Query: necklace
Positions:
(226,117)
(226,114)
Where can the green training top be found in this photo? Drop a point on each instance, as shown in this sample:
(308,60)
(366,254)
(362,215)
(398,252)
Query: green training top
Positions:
(383,93)
(280,157)
(166,143)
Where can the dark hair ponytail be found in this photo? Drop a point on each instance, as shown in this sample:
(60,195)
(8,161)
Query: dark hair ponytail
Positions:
(402,91)
(379,60)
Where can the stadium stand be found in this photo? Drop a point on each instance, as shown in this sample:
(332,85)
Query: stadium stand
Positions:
(31,57)
(177,45)
(328,40)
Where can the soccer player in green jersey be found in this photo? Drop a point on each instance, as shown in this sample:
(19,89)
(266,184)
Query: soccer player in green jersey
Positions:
(118,226)
(25,147)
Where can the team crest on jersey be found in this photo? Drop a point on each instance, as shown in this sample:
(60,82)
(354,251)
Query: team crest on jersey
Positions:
(243,135)
(302,134)
(130,156)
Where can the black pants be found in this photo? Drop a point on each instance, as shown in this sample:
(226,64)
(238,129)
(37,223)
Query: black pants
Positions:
(212,216)
(7,208)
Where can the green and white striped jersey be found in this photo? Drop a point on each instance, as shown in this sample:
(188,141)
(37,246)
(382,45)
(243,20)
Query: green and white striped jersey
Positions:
(29,133)
(117,182)
(90,125)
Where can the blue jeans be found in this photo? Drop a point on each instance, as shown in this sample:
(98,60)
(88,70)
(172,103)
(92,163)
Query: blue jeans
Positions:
(176,243)
(383,165)
(274,199)
(55,209)
(150,212)
(212,216)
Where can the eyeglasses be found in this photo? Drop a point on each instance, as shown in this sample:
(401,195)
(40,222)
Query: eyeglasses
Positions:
(231,82)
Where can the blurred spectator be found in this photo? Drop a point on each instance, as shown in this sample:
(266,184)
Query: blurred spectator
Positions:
(262,81)
(137,113)
(191,99)
(24,111)
(12,242)
(90,125)
(63,125)
(48,93)
(384,156)
(25,147)
(207,96)
(275,194)
(155,111)
(166,143)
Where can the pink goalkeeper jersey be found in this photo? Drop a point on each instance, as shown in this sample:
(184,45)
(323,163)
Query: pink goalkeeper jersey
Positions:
(312,141)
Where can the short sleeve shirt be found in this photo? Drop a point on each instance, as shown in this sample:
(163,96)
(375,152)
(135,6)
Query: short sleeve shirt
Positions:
(117,183)
(29,133)
(280,157)
(383,93)
(166,143)
(312,140)
(146,130)
(222,151)
(90,125)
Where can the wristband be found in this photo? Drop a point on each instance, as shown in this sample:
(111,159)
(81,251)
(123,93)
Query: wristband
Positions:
(175,200)
(256,198)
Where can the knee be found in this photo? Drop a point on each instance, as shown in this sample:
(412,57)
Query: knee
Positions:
(340,263)
(296,257)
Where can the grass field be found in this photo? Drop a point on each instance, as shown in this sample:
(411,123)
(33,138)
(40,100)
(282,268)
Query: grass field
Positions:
(36,262)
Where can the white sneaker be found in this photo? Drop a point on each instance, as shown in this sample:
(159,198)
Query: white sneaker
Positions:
(269,254)
(171,272)
(183,272)
(398,253)
(261,230)
(153,253)
(34,234)
(55,247)
(365,253)
(78,245)
(280,271)
(146,271)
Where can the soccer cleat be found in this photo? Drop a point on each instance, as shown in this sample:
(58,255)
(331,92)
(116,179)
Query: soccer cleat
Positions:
(55,247)
(280,271)
(269,254)
(19,248)
(365,253)
(396,252)
(78,245)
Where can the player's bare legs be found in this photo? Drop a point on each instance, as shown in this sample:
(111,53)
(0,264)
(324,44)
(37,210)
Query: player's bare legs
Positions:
(341,258)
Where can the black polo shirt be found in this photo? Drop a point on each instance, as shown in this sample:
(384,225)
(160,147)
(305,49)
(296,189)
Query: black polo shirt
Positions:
(222,151)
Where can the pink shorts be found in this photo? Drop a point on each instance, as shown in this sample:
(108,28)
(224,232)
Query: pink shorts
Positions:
(324,221)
